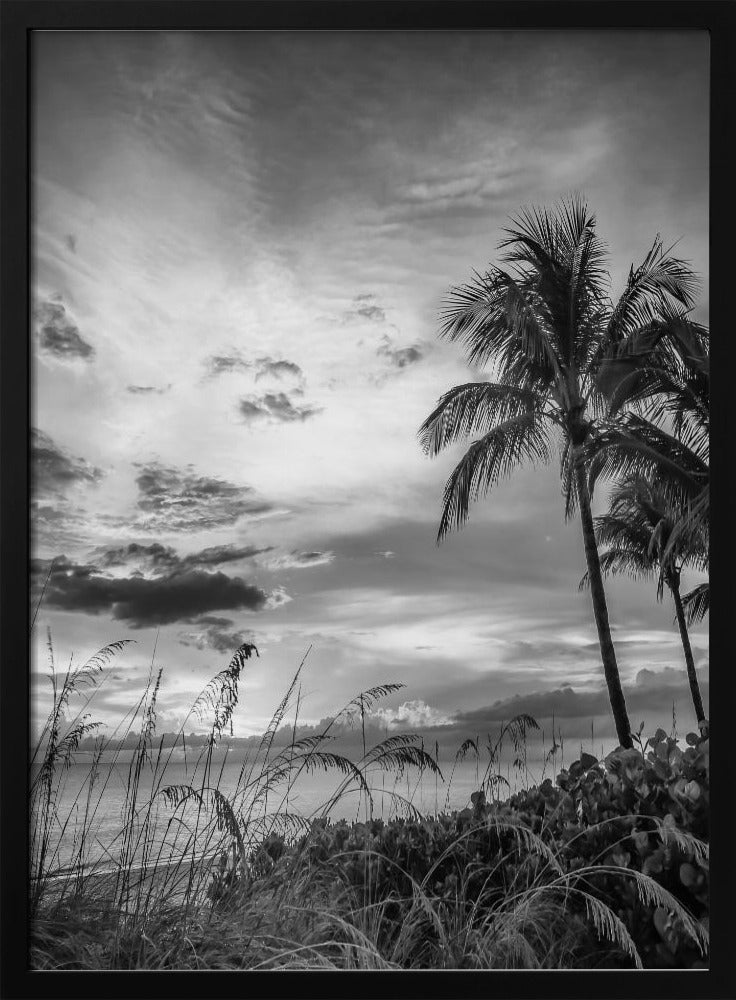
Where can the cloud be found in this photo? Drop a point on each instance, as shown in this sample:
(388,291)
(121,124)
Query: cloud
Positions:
(440,189)
(58,336)
(215,620)
(264,367)
(178,596)
(400,357)
(179,500)
(222,364)
(278,369)
(275,406)
(300,560)
(374,313)
(650,692)
(53,470)
(217,555)
(160,559)
(217,635)
(563,702)
(277,597)
(416,714)
(364,307)
(147,389)
(156,557)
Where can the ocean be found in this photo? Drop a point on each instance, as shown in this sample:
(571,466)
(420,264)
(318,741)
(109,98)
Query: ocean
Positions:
(91,815)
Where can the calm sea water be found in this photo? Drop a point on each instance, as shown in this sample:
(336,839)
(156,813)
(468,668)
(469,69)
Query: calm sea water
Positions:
(91,818)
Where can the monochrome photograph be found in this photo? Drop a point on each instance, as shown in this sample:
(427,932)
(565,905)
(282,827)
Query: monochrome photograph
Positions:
(369,500)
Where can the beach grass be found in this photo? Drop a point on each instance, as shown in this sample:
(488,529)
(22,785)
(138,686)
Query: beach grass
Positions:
(606,867)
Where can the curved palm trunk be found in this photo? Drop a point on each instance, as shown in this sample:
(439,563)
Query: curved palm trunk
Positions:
(689,662)
(600,610)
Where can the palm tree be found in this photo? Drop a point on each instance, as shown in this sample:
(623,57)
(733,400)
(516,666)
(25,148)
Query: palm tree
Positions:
(645,536)
(664,372)
(546,323)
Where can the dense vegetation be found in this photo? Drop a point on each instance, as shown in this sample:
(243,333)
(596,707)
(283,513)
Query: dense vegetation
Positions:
(606,867)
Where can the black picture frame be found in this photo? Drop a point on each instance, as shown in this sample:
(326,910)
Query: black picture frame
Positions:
(19,18)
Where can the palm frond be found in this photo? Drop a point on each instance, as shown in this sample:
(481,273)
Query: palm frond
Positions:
(473,408)
(697,603)
(499,318)
(617,560)
(635,447)
(559,253)
(494,455)
(691,532)
(660,280)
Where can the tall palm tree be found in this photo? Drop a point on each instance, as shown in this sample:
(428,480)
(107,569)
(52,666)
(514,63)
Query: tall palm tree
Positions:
(645,536)
(545,322)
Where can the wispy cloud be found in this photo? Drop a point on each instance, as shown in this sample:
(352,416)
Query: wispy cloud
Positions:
(301,560)
(161,559)
(145,390)
(180,500)
(54,470)
(364,307)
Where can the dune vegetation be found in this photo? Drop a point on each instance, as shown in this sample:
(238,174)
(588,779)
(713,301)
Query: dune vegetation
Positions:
(605,867)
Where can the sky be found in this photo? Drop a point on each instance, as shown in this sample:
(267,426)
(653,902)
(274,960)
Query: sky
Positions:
(241,246)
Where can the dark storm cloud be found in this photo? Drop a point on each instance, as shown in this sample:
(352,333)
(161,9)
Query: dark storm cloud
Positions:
(178,596)
(278,369)
(163,558)
(400,357)
(54,470)
(181,500)
(275,406)
(58,336)
(71,242)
